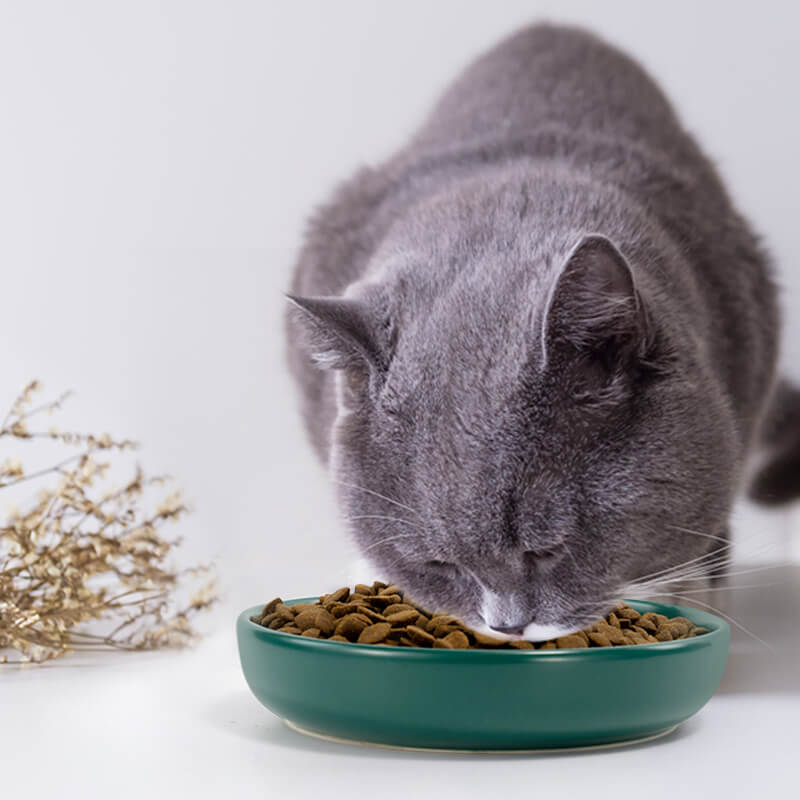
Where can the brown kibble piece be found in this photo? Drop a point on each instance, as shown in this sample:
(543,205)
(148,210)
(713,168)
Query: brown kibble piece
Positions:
(392,589)
(271,606)
(648,622)
(600,639)
(266,619)
(340,609)
(340,595)
(626,612)
(457,639)
(441,643)
(306,619)
(383,600)
(420,636)
(325,621)
(402,617)
(614,635)
(569,641)
(351,626)
(298,607)
(374,633)
(362,588)
(485,640)
(679,626)
(394,608)
(285,612)
(311,633)
(664,634)
(338,638)
(548,646)
(440,631)
(521,644)
(289,628)
(439,619)
(372,613)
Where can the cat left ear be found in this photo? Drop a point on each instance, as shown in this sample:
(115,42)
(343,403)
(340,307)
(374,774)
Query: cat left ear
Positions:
(594,305)
(341,332)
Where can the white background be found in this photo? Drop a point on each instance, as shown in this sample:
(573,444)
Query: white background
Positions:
(157,163)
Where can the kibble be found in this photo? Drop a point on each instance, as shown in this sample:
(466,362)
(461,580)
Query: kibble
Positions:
(381,614)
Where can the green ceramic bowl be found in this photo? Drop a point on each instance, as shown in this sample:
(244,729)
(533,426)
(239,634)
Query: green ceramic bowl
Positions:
(484,699)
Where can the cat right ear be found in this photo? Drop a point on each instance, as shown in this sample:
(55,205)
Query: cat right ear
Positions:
(341,332)
(594,306)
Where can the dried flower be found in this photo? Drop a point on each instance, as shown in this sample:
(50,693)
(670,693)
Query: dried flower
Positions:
(76,556)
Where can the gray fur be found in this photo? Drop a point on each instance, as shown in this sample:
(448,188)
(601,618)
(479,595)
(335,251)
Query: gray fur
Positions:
(554,347)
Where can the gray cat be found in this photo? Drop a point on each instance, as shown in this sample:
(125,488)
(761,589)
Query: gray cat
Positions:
(536,346)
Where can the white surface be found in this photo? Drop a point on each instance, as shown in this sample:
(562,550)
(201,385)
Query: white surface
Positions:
(186,725)
(157,161)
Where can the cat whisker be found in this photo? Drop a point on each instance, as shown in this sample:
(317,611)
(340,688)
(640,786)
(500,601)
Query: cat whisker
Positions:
(684,565)
(701,573)
(381,516)
(737,572)
(717,588)
(699,567)
(723,539)
(377,494)
(716,611)
(701,570)
(386,540)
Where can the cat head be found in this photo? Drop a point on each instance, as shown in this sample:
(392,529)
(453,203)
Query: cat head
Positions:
(517,451)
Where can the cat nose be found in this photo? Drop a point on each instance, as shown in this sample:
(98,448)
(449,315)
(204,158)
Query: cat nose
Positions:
(514,629)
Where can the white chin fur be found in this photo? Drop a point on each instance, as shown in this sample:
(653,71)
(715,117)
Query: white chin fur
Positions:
(533,632)
(541,633)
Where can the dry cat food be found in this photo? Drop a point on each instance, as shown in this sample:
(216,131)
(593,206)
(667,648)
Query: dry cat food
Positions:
(381,614)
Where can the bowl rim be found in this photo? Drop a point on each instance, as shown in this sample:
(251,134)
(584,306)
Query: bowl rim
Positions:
(718,629)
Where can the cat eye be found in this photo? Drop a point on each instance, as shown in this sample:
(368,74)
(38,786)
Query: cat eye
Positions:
(545,556)
(443,566)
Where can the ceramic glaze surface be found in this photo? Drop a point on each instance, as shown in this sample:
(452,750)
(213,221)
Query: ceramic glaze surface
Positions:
(484,699)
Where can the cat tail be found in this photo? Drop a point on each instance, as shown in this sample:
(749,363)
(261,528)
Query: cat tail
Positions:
(777,480)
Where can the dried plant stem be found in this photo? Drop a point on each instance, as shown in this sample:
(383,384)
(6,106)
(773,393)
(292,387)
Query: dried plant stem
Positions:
(73,557)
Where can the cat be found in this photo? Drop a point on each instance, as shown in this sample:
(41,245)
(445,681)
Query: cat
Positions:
(536,346)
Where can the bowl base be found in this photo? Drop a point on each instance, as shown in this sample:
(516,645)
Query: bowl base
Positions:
(542,750)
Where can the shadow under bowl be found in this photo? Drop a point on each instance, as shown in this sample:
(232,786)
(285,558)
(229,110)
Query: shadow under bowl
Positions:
(484,699)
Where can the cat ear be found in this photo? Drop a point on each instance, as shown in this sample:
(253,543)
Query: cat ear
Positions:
(594,305)
(341,332)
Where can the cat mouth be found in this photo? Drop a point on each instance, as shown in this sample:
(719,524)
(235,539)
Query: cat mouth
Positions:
(533,632)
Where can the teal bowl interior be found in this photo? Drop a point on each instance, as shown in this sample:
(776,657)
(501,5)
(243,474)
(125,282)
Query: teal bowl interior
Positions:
(484,699)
